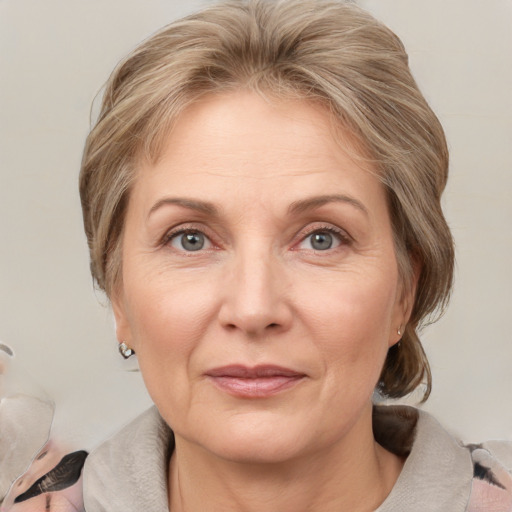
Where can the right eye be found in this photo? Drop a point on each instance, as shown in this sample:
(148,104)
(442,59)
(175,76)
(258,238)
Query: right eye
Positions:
(189,241)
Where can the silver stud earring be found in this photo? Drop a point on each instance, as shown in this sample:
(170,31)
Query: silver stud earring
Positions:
(125,350)
(399,331)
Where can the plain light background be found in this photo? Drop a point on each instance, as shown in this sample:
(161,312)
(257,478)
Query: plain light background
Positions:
(54,57)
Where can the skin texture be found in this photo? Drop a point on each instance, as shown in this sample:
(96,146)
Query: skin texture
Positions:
(261,292)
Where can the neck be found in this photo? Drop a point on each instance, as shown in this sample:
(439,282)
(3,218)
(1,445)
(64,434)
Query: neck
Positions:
(356,474)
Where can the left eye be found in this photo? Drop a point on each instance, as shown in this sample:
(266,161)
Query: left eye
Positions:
(190,241)
(321,240)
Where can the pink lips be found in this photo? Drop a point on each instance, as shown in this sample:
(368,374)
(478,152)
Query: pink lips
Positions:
(258,382)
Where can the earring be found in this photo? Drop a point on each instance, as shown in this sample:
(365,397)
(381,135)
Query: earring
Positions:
(399,331)
(125,350)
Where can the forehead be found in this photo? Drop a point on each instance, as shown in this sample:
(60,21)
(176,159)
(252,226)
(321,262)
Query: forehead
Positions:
(243,142)
(244,119)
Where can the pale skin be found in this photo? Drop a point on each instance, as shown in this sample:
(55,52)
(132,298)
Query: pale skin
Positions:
(255,239)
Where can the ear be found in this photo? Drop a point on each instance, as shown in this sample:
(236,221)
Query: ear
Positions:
(119,308)
(406,296)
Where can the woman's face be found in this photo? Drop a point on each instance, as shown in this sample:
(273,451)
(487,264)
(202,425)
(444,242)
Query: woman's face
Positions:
(259,287)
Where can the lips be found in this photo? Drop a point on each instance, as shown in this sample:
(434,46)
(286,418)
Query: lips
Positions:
(254,382)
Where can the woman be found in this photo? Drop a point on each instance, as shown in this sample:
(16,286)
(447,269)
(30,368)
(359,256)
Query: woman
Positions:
(261,197)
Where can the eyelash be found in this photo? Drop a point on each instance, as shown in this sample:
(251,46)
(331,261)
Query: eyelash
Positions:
(343,238)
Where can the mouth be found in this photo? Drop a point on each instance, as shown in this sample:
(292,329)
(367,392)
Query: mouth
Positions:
(257,382)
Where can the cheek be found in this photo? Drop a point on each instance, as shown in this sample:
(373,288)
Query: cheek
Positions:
(354,319)
(168,319)
(168,314)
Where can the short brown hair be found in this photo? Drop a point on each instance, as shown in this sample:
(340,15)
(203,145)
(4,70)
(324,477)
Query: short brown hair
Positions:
(324,51)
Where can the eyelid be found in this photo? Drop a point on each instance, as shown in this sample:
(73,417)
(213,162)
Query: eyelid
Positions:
(326,227)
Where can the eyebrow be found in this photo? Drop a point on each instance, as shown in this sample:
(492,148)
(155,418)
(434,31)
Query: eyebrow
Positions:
(199,206)
(312,203)
(296,207)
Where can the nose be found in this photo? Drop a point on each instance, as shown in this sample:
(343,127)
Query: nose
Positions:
(256,296)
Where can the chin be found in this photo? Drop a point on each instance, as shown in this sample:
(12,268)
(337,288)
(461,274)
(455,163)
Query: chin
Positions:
(256,450)
(258,438)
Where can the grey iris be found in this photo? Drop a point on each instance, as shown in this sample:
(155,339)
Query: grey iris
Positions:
(321,241)
(192,241)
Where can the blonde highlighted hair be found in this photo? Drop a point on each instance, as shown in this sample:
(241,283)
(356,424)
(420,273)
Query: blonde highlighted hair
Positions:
(330,52)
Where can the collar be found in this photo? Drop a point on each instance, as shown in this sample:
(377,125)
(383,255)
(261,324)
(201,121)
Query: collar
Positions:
(129,471)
